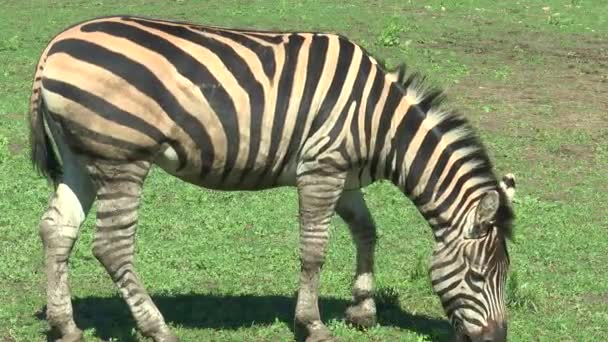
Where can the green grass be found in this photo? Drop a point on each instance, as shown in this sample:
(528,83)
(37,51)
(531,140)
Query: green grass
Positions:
(223,266)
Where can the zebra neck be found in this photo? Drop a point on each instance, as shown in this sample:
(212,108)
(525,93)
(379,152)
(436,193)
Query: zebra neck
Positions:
(446,204)
(437,162)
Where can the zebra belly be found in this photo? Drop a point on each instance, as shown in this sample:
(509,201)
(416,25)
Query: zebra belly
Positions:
(237,179)
(168,160)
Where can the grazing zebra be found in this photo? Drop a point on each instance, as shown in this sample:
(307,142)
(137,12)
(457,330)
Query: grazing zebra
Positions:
(249,110)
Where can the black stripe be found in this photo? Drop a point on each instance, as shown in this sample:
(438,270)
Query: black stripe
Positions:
(478,170)
(467,194)
(264,53)
(271,38)
(366,66)
(405,133)
(458,187)
(421,159)
(241,71)
(74,128)
(428,145)
(194,71)
(457,221)
(468,278)
(473,321)
(461,306)
(427,195)
(116,238)
(139,76)
(450,274)
(357,89)
(139,302)
(123,178)
(103,108)
(464,302)
(217,97)
(455,283)
(115,227)
(446,262)
(356,95)
(392,102)
(116,195)
(343,64)
(372,101)
(316,61)
(292,49)
(121,271)
(102,215)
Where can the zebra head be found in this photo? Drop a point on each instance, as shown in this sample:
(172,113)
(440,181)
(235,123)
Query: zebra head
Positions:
(469,269)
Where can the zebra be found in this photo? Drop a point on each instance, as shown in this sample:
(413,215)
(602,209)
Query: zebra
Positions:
(247,110)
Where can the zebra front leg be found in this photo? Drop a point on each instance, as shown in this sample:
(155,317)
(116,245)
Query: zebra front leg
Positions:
(318,195)
(353,210)
(59,226)
(114,246)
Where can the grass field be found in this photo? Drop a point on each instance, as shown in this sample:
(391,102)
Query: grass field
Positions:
(531,75)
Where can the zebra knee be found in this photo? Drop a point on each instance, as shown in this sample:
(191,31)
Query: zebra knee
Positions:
(115,254)
(101,253)
(313,254)
(57,236)
(46,228)
(312,260)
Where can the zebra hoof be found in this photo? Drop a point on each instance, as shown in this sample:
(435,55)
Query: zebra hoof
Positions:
(363,314)
(314,332)
(321,334)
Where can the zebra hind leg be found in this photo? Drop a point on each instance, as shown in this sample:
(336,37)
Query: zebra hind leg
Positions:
(318,194)
(59,226)
(353,210)
(119,191)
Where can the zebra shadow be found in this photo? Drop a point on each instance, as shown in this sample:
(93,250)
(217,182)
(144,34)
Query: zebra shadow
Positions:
(110,317)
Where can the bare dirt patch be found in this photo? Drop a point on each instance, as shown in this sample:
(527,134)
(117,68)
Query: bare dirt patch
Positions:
(564,89)
(16,147)
(596,298)
(548,90)
(14,116)
(576,151)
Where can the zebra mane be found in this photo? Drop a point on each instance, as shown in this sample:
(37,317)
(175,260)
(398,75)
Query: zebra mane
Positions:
(430,99)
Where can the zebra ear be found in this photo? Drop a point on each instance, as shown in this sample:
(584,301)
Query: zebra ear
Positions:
(484,215)
(508,186)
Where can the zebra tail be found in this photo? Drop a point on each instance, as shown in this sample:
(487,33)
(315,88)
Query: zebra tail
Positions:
(43,157)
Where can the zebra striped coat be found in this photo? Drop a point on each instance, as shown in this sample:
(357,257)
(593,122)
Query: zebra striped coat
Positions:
(236,109)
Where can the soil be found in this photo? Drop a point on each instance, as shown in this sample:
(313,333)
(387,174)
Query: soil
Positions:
(596,298)
(564,88)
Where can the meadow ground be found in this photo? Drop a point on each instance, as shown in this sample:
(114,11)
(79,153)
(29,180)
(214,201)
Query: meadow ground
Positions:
(531,75)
